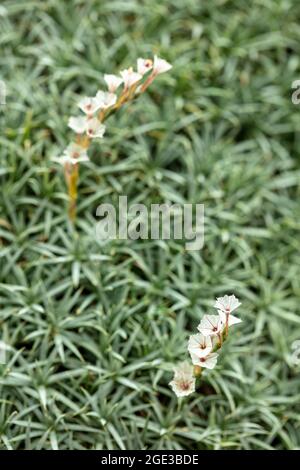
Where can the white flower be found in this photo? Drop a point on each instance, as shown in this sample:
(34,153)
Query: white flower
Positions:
(78,124)
(199,345)
(208,361)
(95,129)
(92,126)
(73,154)
(183,383)
(106,99)
(89,105)
(232,320)
(211,325)
(144,65)
(227,304)
(113,82)
(130,77)
(160,65)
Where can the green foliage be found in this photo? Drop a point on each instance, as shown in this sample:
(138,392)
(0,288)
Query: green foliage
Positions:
(95,329)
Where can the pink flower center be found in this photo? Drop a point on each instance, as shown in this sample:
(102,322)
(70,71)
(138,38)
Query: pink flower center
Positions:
(185,385)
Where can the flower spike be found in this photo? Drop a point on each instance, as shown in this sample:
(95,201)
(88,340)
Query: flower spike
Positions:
(96,109)
(202,347)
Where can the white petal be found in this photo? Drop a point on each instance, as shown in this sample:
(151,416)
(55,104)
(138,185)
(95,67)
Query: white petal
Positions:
(183,389)
(199,345)
(74,148)
(130,77)
(228,303)
(77,124)
(113,82)
(89,105)
(207,362)
(160,65)
(106,99)
(211,361)
(62,159)
(232,320)
(195,359)
(144,65)
(183,383)
(82,158)
(210,325)
(67,159)
(184,368)
(74,153)
(95,129)
(222,316)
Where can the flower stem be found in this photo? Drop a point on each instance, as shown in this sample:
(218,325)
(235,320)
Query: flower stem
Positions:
(148,82)
(71,175)
(226,325)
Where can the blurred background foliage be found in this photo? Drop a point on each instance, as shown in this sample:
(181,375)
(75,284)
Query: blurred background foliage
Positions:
(94,329)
